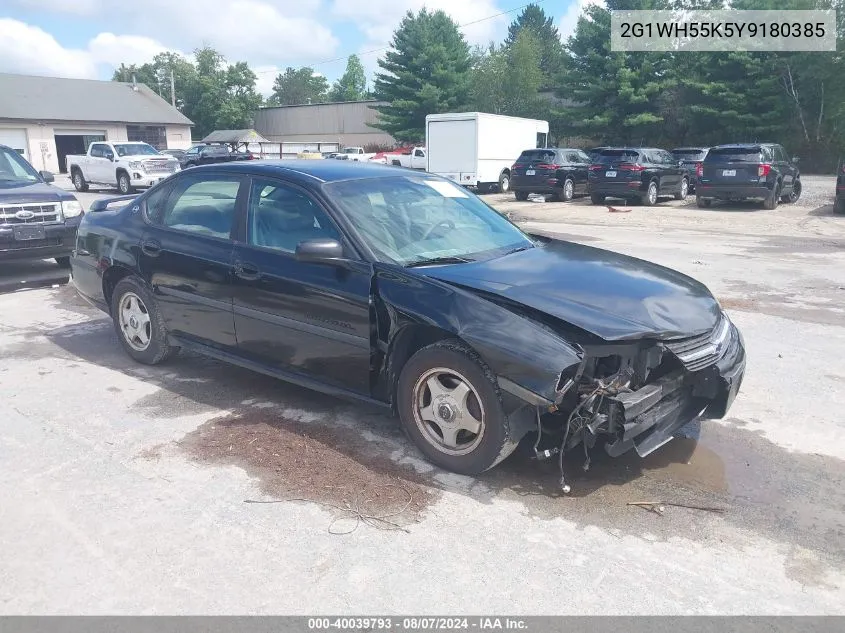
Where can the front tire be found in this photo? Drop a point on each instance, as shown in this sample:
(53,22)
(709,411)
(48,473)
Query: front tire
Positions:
(683,191)
(138,322)
(568,191)
(124,185)
(63,262)
(650,197)
(793,195)
(450,406)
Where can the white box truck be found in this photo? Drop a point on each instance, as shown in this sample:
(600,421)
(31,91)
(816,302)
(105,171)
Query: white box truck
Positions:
(476,149)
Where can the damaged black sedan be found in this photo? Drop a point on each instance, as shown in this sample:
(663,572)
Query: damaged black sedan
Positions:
(405,290)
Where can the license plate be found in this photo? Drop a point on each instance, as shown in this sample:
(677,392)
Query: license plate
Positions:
(29,233)
(530,172)
(729,172)
(610,174)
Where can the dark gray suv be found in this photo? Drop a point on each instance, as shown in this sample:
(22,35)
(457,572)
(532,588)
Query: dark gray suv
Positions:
(748,171)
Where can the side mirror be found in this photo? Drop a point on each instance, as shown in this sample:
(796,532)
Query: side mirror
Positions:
(47,176)
(110,157)
(320,251)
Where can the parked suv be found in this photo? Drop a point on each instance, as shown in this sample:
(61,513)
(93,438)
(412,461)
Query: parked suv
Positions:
(37,220)
(748,171)
(559,172)
(641,174)
(839,201)
(690,158)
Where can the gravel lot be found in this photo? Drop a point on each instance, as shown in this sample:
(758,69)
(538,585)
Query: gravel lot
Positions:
(123,485)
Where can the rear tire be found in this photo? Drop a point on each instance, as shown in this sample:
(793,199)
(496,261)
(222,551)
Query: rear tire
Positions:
(839,206)
(793,195)
(79,180)
(504,182)
(63,262)
(522,196)
(443,389)
(703,203)
(146,343)
(772,200)
(596,198)
(483,188)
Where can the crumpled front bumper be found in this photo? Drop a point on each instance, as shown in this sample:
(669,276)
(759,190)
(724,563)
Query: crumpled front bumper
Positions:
(648,418)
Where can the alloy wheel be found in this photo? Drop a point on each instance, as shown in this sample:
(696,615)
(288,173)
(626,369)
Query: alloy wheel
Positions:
(134,319)
(448,411)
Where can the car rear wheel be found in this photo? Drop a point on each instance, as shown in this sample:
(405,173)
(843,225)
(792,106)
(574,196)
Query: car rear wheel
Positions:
(504,182)
(79,180)
(650,197)
(772,200)
(793,195)
(520,195)
(124,185)
(839,206)
(683,191)
(63,262)
(596,198)
(450,406)
(138,322)
(703,203)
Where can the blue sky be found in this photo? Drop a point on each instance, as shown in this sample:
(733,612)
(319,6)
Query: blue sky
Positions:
(88,38)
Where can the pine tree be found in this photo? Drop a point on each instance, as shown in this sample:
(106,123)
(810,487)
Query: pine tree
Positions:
(534,20)
(426,71)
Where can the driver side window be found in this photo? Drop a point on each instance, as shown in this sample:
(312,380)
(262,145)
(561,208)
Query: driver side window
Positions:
(280,217)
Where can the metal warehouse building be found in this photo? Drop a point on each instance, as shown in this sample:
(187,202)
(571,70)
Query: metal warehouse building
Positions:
(302,127)
(46,118)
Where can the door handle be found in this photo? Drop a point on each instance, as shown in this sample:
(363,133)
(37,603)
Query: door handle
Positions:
(247,271)
(151,248)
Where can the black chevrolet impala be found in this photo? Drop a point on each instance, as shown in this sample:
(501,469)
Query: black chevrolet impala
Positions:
(400,288)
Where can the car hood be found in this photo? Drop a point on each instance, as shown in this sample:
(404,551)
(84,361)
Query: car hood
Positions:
(31,193)
(612,296)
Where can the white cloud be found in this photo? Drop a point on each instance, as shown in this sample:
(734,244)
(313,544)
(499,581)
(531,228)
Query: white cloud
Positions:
(75,7)
(111,49)
(377,19)
(569,20)
(29,50)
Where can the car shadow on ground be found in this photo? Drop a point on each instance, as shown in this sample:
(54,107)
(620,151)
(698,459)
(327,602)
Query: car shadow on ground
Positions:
(301,445)
(824,210)
(38,273)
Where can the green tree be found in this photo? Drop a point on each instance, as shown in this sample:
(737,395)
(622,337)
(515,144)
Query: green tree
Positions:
(352,86)
(425,71)
(534,20)
(299,85)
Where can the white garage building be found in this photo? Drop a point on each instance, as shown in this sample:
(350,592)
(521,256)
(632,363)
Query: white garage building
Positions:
(46,118)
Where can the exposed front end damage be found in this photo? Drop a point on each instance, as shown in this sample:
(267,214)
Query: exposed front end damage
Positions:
(637,396)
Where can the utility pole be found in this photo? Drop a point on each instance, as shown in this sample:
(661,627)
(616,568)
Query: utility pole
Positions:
(172,89)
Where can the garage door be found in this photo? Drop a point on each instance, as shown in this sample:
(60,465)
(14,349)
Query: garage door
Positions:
(14,138)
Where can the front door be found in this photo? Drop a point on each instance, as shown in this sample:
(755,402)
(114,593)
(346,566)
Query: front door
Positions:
(100,168)
(186,255)
(310,319)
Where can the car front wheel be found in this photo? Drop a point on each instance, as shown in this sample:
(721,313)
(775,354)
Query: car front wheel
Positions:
(124,185)
(650,197)
(138,322)
(793,195)
(683,191)
(450,406)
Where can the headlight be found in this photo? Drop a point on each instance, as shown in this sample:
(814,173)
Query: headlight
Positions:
(71,208)
(135,164)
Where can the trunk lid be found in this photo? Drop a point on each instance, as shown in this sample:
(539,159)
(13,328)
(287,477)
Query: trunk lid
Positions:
(733,165)
(616,165)
(535,166)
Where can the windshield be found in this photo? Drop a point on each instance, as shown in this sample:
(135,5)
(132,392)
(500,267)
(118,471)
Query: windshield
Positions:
(134,149)
(351,150)
(14,169)
(411,219)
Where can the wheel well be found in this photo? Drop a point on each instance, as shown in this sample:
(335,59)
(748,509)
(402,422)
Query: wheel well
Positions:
(506,170)
(410,340)
(111,278)
(121,170)
(74,169)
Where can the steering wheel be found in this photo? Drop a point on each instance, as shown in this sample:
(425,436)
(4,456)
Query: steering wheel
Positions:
(447,223)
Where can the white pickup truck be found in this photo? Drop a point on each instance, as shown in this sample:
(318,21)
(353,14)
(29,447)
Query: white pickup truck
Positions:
(415,159)
(125,166)
(354,153)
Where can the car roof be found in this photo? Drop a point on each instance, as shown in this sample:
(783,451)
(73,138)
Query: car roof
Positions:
(683,149)
(742,145)
(310,171)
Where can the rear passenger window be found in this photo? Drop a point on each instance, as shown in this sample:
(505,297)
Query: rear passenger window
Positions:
(206,207)
(280,217)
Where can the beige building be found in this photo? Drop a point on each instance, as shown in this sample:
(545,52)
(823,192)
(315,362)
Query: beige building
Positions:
(346,124)
(45,118)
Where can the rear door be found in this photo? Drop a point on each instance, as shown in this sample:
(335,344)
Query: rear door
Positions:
(784,167)
(186,254)
(303,317)
(616,166)
(734,165)
(535,167)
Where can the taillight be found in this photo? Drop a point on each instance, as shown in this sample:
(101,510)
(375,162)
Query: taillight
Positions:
(699,169)
(596,167)
(545,166)
(517,166)
(763,169)
(631,167)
